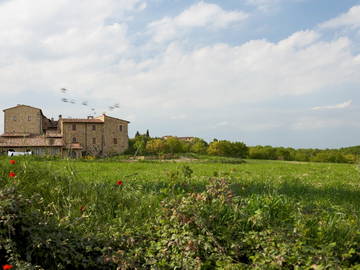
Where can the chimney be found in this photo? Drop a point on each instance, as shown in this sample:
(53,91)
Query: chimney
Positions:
(60,116)
(52,119)
(90,117)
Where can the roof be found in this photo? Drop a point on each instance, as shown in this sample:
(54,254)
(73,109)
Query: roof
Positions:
(186,138)
(53,133)
(113,118)
(22,105)
(78,120)
(49,124)
(15,135)
(37,141)
(74,146)
(179,138)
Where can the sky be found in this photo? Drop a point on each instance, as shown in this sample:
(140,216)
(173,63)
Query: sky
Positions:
(264,72)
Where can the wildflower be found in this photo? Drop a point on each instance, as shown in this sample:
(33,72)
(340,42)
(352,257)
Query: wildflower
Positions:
(82,208)
(12,174)
(119,183)
(12,161)
(7,266)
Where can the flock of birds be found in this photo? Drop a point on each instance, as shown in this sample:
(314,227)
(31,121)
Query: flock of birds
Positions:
(66,99)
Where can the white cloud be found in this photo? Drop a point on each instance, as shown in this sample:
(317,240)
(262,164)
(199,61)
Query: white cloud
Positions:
(343,105)
(349,19)
(208,77)
(313,123)
(268,5)
(300,39)
(45,46)
(44,28)
(201,14)
(264,4)
(179,117)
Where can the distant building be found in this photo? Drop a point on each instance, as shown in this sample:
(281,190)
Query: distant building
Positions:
(187,139)
(27,129)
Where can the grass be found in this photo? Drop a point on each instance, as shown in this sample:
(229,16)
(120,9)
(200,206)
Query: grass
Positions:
(308,183)
(338,183)
(287,203)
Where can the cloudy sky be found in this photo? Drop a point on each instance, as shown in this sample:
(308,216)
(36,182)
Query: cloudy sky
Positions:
(269,72)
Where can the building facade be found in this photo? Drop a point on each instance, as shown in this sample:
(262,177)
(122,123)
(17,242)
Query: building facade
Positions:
(26,129)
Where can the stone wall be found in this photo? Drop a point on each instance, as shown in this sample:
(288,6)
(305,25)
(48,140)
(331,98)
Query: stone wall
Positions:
(85,135)
(115,135)
(23,119)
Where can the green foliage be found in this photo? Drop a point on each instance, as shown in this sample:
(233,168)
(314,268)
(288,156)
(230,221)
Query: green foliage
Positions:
(165,215)
(343,155)
(198,146)
(156,146)
(226,148)
(144,145)
(174,145)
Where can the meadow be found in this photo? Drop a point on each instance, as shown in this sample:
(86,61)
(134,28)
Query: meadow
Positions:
(201,214)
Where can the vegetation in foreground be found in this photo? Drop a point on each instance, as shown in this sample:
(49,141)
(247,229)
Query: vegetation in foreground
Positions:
(155,215)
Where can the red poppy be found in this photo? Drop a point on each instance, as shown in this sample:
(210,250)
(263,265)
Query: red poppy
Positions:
(12,161)
(7,266)
(82,208)
(119,183)
(12,174)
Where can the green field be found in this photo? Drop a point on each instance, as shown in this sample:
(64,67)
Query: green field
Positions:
(205,214)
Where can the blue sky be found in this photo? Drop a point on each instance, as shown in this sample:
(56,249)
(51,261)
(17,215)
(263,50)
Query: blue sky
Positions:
(269,72)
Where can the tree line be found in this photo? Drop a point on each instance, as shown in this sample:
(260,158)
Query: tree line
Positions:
(144,144)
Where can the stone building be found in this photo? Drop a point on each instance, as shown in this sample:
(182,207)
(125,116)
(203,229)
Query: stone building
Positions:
(186,139)
(26,129)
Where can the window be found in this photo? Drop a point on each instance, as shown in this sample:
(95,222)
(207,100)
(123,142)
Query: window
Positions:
(115,140)
(14,118)
(121,128)
(93,127)
(74,140)
(73,126)
(29,117)
(94,140)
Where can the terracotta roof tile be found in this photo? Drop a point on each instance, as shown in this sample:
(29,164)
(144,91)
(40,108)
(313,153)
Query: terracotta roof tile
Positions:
(53,133)
(76,120)
(39,141)
(74,146)
(15,135)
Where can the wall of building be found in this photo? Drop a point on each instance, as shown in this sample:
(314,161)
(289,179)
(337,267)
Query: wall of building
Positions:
(23,119)
(84,135)
(111,132)
(94,148)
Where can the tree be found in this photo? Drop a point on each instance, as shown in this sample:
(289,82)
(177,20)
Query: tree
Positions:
(174,145)
(198,146)
(238,149)
(156,146)
(140,144)
(217,148)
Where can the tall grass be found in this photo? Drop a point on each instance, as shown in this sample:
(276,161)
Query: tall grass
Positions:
(270,215)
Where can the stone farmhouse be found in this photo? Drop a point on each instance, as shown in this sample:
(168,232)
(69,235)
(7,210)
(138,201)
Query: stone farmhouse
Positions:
(26,129)
(186,139)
